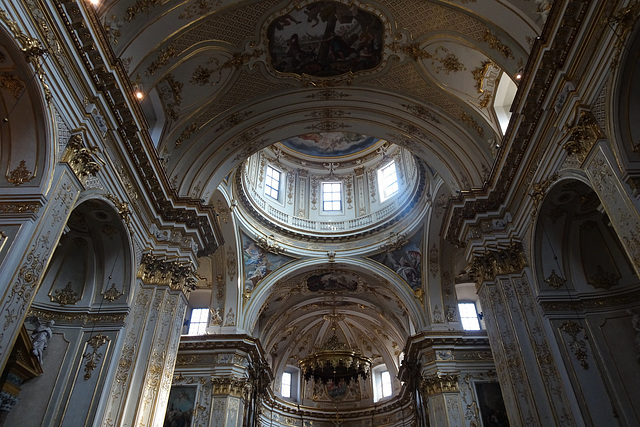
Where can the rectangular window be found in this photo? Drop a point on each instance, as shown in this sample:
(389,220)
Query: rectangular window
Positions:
(331,196)
(286,384)
(469,316)
(199,321)
(272,183)
(385,379)
(388,181)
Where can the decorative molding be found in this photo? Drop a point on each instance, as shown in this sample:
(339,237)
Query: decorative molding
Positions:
(158,271)
(80,158)
(76,318)
(577,346)
(555,281)
(583,136)
(440,383)
(20,174)
(497,261)
(123,210)
(65,296)
(495,43)
(230,387)
(270,244)
(112,293)
(549,61)
(539,190)
(92,358)
(12,83)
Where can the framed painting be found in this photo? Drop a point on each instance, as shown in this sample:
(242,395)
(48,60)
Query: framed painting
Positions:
(182,401)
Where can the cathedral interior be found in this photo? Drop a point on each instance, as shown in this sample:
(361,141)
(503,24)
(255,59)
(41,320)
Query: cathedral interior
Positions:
(319,213)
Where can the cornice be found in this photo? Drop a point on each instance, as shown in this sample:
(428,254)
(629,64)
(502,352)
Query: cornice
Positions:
(110,78)
(547,58)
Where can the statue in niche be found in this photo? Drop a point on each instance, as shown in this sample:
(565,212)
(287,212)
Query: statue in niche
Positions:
(231,318)
(40,337)
(450,313)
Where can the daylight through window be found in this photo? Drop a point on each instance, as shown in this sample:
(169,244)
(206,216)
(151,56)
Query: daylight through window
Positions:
(331,196)
(469,316)
(388,181)
(286,384)
(198,322)
(272,183)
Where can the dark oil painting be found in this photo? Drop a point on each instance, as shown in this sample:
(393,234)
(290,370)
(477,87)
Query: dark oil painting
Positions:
(325,39)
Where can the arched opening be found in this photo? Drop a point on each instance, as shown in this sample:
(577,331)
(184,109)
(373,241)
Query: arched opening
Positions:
(76,318)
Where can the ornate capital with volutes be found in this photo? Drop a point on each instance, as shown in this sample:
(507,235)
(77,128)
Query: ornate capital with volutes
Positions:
(439,383)
(230,387)
(159,271)
(583,136)
(487,265)
(82,160)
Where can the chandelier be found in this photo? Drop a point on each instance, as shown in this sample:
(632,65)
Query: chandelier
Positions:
(335,362)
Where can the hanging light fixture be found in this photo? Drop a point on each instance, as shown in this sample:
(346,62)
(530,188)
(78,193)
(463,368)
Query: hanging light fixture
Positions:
(335,361)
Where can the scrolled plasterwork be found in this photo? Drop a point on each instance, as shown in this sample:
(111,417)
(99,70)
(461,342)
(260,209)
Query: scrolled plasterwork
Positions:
(20,174)
(229,387)
(440,383)
(81,159)
(577,346)
(159,271)
(497,261)
(92,358)
(583,136)
(65,296)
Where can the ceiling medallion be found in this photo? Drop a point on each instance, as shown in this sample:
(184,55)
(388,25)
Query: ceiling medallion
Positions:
(335,362)
(325,39)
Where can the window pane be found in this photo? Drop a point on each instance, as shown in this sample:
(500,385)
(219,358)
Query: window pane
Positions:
(272,183)
(386,383)
(286,384)
(469,316)
(332,196)
(388,181)
(198,321)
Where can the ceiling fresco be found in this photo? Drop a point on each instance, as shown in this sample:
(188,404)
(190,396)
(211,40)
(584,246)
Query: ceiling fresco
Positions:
(329,144)
(325,39)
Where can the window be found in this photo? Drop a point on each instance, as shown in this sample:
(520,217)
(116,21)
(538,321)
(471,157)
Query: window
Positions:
(331,196)
(286,384)
(199,321)
(272,183)
(385,379)
(469,316)
(388,179)
(382,386)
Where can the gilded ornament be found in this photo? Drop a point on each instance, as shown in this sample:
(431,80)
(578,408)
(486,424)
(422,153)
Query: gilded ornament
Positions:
(603,279)
(495,43)
(577,346)
(140,6)
(583,136)
(155,270)
(539,190)
(92,358)
(186,134)
(20,174)
(65,296)
(163,59)
(12,83)
(478,74)
(199,8)
(555,281)
(497,261)
(112,293)
(81,159)
(471,122)
(123,210)
(421,112)
(440,383)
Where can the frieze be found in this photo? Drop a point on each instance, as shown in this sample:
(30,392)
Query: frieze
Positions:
(440,383)
(158,271)
(497,261)
(475,202)
(76,318)
(230,387)
(192,213)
